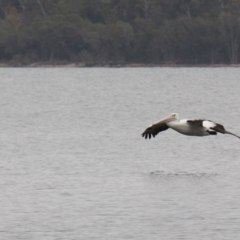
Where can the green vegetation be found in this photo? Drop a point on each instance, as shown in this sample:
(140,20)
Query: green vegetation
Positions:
(120,31)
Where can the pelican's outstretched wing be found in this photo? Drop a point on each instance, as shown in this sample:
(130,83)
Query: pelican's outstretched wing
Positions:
(220,128)
(154,129)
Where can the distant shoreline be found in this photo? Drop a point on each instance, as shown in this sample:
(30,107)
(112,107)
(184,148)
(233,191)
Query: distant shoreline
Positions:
(129,65)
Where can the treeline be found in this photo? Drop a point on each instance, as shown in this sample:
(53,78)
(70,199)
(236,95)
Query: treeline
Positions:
(120,31)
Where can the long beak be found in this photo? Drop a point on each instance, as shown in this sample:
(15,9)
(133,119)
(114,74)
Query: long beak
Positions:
(166,119)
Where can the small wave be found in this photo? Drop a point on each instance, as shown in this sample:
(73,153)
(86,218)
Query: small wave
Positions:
(183,174)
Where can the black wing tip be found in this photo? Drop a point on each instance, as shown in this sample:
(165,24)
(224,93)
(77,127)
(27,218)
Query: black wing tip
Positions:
(147,135)
(219,128)
(153,130)
(232,134)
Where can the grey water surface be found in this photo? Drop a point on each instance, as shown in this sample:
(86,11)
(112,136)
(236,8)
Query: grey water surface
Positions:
(73,164)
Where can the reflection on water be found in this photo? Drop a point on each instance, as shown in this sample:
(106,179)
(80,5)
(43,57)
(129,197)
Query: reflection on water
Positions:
(74,165)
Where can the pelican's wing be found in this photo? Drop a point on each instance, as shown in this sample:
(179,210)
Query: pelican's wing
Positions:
(154,129)
(220,128)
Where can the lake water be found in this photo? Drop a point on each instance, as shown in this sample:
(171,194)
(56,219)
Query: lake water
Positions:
(74,165)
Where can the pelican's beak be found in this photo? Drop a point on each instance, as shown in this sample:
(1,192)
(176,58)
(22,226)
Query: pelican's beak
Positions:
(167,119)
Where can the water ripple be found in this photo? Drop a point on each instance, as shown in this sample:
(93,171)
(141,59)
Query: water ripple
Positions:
(183,174)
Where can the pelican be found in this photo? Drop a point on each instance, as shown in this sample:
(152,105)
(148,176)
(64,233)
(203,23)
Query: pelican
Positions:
(198,127)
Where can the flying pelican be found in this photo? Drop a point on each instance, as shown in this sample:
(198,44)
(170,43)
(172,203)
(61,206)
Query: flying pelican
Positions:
(198,127)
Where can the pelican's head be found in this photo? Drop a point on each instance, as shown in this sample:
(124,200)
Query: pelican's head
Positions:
(170,118)
(175,116)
